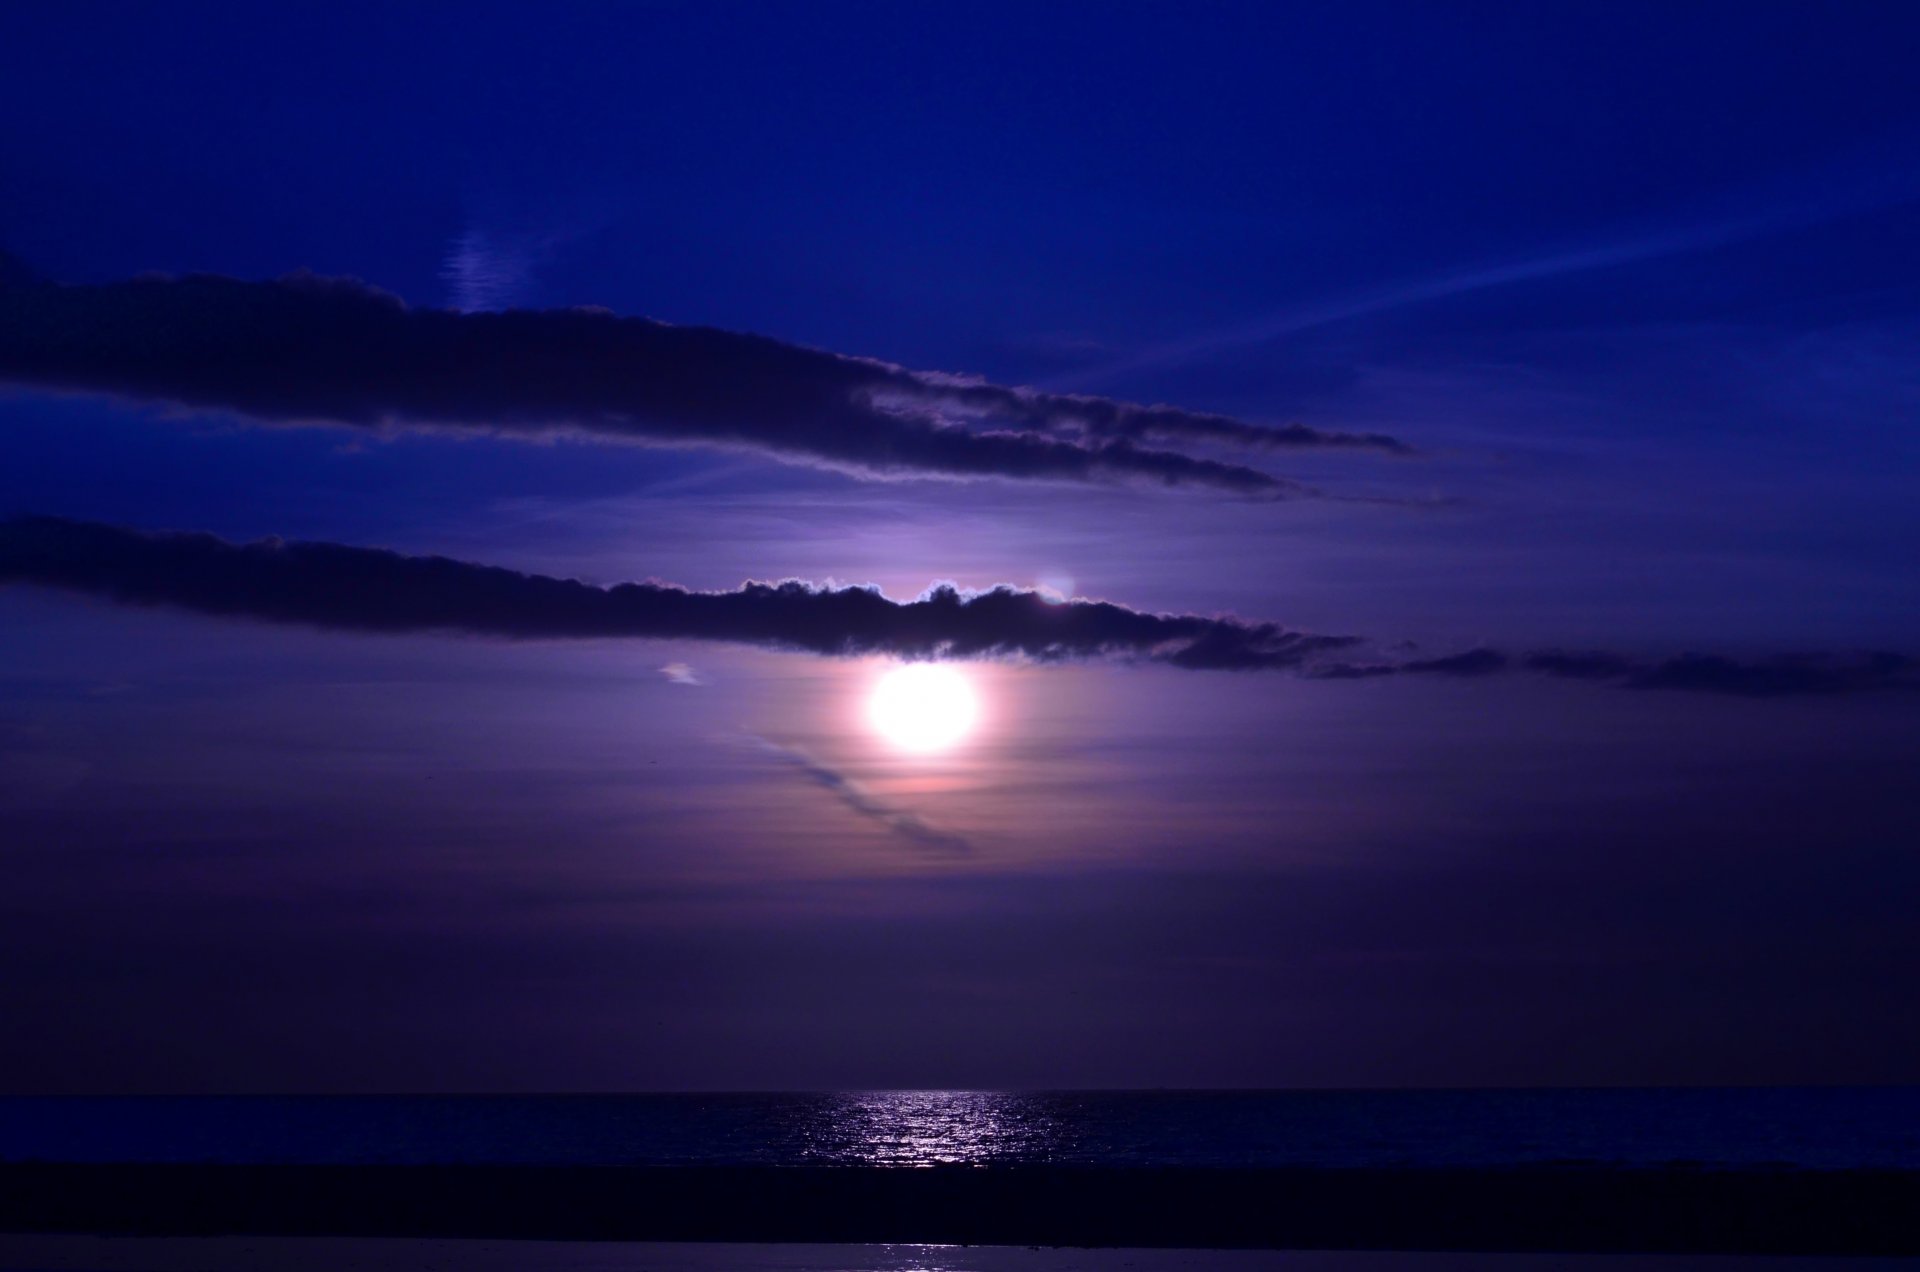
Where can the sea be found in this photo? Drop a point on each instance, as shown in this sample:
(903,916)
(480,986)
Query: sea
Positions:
(1815,1128)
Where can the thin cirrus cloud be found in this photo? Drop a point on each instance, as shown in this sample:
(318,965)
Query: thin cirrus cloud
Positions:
(908,826)
(487,271)
(311,350)
(1874,176)
(346,588)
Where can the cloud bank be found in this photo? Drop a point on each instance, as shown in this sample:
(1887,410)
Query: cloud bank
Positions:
(310,350)
(346,588)
(367,589)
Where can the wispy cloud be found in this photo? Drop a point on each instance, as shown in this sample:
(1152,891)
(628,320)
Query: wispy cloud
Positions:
(1851,186)
(1780,676)
(485,271)
(910,827)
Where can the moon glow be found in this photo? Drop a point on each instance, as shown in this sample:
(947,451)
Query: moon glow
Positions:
(923,707)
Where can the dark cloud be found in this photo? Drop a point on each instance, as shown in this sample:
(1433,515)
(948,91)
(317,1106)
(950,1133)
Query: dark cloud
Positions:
(1782,676)
(14,272)
(1584,665)
(369,589)
(909,826)
(1097,417)
(1474,662)
(306,349)
(364,589)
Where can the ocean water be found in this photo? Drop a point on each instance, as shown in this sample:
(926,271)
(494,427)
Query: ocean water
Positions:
(1807,1128)
(332,1254)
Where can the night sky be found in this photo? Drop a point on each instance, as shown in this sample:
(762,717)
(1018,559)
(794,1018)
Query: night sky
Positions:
(1425,497)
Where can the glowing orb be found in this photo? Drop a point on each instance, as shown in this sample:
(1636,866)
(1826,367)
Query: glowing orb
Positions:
(923,706)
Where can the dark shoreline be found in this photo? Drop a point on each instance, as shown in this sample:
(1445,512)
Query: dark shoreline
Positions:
(1566,1209)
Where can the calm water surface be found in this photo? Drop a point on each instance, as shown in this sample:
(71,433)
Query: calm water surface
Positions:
(1800,1127)
(333,1254)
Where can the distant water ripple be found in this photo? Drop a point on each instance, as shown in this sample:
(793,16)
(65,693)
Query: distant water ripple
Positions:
(1818,1128)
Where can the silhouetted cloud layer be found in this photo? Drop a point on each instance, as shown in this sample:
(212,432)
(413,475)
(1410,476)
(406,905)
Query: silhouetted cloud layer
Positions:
(305,349)
(368,589)
(1782,676)
(1096,417)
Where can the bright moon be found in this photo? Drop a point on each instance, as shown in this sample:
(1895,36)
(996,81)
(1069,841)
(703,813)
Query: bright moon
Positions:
(923,706)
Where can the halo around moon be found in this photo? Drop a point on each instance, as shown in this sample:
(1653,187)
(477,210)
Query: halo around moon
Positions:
(923,707)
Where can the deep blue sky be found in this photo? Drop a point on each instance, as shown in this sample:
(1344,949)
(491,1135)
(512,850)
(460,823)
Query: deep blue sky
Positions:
(1640,281)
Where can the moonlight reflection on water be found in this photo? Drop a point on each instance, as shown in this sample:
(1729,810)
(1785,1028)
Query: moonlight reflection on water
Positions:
(933,1128)
(1809,1127)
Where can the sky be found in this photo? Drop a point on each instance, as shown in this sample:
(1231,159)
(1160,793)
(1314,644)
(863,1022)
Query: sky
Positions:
(1423,496)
